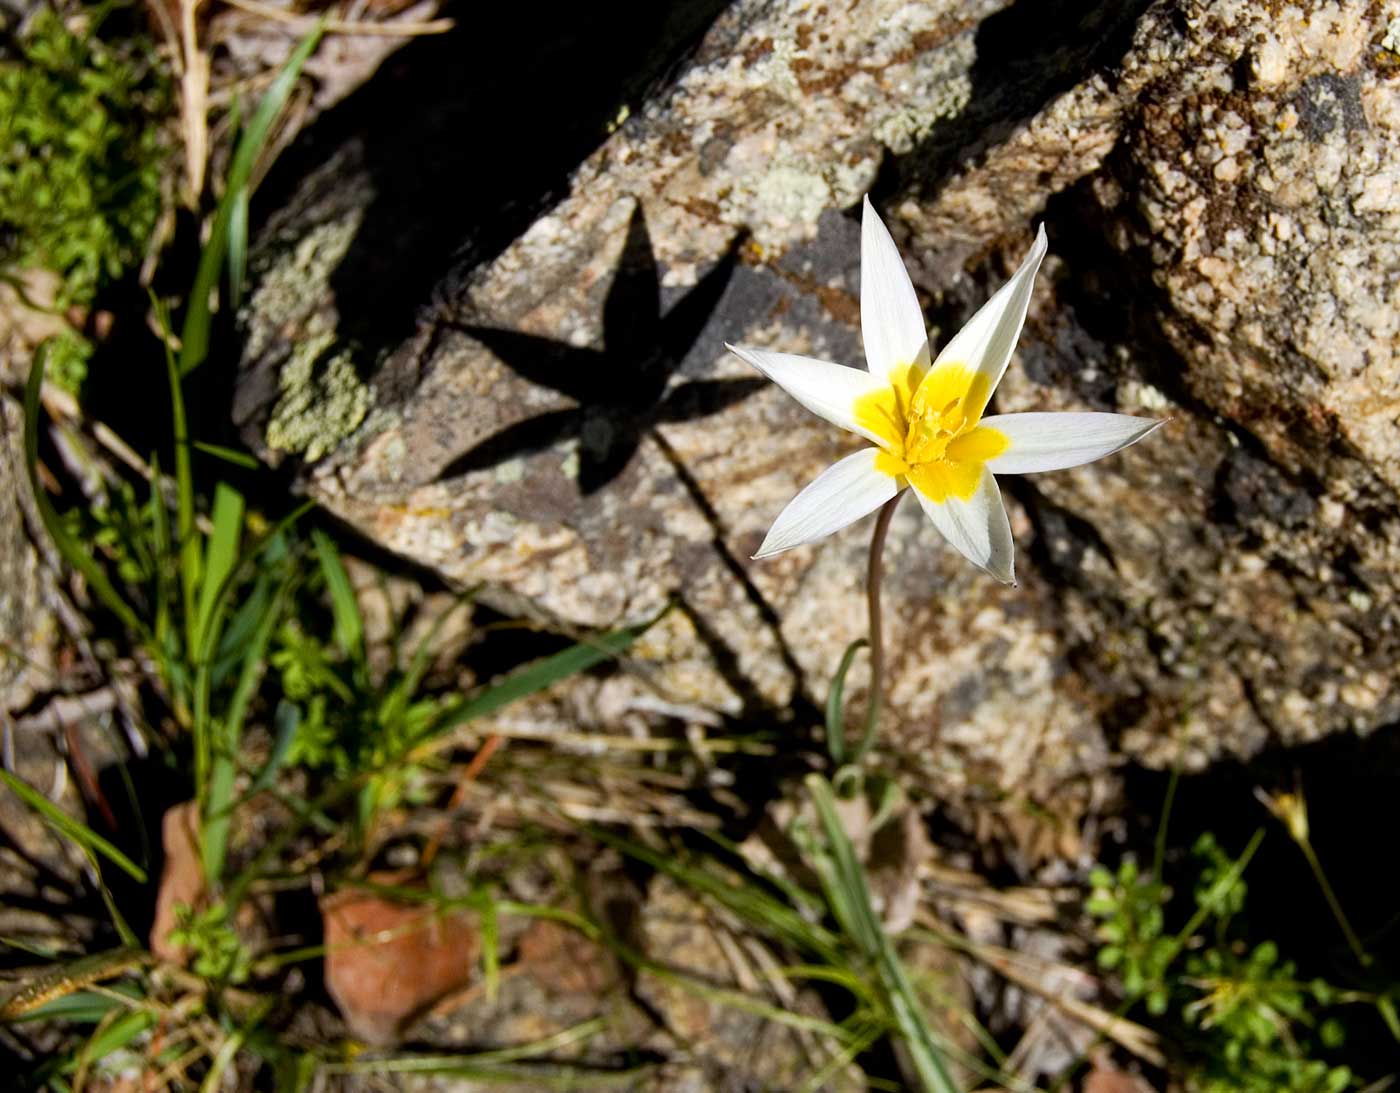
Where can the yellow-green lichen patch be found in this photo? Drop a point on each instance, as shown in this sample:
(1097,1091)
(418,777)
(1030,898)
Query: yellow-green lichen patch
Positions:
(293,284)
(322,398)
(939,88)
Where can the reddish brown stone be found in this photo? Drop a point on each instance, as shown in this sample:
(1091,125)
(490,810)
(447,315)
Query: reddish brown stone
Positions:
(388,961)
(181,880)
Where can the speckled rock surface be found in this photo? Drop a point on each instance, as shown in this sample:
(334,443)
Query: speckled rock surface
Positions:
(28,627)
(562,423)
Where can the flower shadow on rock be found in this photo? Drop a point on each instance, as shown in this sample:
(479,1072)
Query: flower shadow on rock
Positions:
(623,389)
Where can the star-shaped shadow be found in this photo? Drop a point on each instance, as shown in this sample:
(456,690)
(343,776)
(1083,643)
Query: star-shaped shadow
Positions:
(622,390)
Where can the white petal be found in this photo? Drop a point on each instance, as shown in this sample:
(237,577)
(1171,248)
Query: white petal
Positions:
(891,321)
(1051,442)
(828,390)
(977,528)
(984,345)
(840,495)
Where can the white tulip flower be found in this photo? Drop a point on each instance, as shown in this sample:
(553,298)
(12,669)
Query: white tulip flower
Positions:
(926,420)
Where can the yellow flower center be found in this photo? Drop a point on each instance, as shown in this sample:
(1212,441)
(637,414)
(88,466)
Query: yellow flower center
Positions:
(928,428)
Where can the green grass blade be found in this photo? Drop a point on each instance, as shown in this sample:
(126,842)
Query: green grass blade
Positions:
(835,716)
(237,245)
(215,566)
(345,609)
(443,1063)
(796,895)
(164,551)
(841,1059)
(221,555)
(293,1071)
(73,829)
(840,977)
(224,761)
(85,1008)
(115,1036)
(750,902)
(542,674)
(490,944)
(398,698)
(191,556)
(1385,1006)
(233,1043)
(71,550)
(242,624)
(923,1046)
(286,719)
(228,455)
(194,336)
(203,655)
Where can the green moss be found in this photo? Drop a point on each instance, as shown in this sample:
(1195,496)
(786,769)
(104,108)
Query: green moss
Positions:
(81,159)
(68,357)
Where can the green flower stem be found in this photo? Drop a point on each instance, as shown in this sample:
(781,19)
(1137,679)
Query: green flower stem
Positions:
(877,638)
(1359,950)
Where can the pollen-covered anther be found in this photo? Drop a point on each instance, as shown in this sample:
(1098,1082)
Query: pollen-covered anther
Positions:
(930,430)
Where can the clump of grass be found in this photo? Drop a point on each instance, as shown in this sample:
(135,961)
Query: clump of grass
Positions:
(82,155)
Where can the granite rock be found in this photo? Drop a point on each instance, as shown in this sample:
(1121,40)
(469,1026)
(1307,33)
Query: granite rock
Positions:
(561,425)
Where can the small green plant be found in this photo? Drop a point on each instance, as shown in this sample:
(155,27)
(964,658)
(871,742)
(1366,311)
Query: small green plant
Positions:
(1132,909)
(1262,1019)
(82,153)
(218,953)
(1247,1024)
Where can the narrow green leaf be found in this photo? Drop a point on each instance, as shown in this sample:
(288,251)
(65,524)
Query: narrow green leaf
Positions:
(220,557)
(797,896)
(286,719)
(1385,1005)
(237,245)
(71,550)
(860,1042)
(293,1071)
(216,564)
(203,655)
(223,768)
(424,1064)
(748,901)
(228,455)
(825,973)
(114,1037)
(191,554)
(85,1008)
(542,674)
(194,336)
(232,1045)
(242,623)
(835,715)
(903,1000)
(79,832)
(345,609)
(164,551)
(490,945)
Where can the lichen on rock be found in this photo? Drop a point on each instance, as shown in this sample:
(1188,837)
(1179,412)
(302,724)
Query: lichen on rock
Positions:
(291,284)
(323,398)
